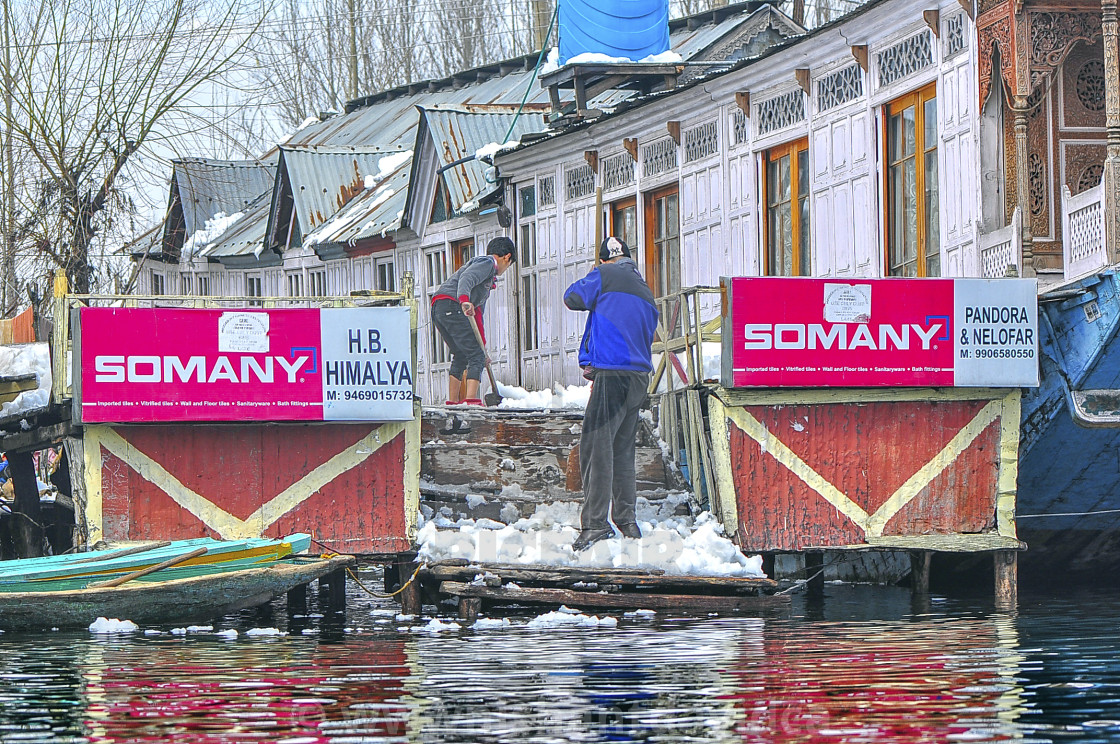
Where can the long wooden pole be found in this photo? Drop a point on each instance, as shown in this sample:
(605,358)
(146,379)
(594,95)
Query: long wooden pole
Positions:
(150,569)
(123,552)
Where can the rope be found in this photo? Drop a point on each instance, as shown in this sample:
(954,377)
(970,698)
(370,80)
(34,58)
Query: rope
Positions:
(1067,514)
(327,554)
(382,595)
(528,88)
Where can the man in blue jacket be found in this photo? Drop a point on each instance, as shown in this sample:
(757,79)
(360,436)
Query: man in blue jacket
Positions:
(615,355)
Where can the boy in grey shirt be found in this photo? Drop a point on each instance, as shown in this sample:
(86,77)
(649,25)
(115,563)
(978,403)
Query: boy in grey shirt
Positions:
(465,293)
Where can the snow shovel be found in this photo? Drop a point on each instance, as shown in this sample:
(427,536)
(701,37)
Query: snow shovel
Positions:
(493,398)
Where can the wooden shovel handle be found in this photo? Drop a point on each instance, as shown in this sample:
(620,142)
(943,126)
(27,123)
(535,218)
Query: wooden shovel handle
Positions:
(478,337)
(150,569)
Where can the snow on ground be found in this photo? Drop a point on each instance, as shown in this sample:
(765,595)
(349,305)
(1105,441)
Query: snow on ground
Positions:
(112,625)
(678,545)
(561,396)
(24,359)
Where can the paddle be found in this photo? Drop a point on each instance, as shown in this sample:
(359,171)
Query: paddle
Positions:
(150,569)
(122,553)
(493,398)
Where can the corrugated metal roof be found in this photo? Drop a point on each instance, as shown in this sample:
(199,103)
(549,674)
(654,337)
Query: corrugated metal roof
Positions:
(458,131)
(324,179)
(243,237)
(210,187)
(373,212)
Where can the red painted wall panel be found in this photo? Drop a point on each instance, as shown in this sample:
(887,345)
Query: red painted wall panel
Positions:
(239,468)
(866,451)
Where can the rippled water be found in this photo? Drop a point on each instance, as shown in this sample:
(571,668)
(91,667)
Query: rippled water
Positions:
(867,665)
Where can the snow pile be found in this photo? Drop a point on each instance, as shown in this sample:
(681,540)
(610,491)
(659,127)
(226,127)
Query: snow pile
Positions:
(192,629)
(112,625)
(561,396)
(435,626)
(490,149)
(552,62)
(390,163)
(678,545)
(491,623)
(231,633)
(569,619)
(211,231)
(27,359)
(264,632)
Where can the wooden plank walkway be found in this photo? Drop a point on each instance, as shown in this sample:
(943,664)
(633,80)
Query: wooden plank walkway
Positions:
(498,584)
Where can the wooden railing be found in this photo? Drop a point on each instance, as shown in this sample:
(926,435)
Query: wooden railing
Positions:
(678,381)
(1083,232)
(1002,249)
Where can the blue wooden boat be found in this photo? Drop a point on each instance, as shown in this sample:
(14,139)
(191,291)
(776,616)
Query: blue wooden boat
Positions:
(1069,455)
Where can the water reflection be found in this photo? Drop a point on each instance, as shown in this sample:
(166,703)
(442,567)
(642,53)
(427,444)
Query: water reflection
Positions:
(863,667)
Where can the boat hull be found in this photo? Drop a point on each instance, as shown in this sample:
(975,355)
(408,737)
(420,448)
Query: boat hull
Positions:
(183,600)
(1068,497)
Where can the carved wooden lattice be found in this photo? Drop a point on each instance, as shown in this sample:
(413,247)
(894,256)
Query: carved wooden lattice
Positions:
(839,88)
(579,181)
(739,130)
(781,111)
(1086,236)
(701,141)
(904,58)
(546,192)
(618,171)
(1090,85)
(955,39)
(659,157)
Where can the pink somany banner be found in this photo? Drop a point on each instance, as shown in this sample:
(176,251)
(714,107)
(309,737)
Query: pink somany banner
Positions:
(792,332)
(306,364)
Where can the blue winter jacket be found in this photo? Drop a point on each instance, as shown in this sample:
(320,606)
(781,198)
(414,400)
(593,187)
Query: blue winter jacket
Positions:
(620,329)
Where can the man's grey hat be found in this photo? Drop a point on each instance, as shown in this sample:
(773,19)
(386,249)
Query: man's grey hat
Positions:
(613,248)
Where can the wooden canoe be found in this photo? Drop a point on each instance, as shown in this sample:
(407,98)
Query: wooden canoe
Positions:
(164,601)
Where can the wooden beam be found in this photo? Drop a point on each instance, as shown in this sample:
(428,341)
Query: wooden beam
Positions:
(612,576)
(592,158)
(617,600)
(967,5)
(933,18)
(630,144)
(743,101)
(36,438)
(859,51)
(674,128)
(802,75)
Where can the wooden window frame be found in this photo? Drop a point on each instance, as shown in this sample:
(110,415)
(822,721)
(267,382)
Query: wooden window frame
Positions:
(916,98)
(792,150)
(461,252)
(615,209)
(649,260)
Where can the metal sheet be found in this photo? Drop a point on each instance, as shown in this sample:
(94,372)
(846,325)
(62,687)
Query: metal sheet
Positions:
(210,187)
(458,131)
(245,237)
(242,473)
(843,474)
(372,212)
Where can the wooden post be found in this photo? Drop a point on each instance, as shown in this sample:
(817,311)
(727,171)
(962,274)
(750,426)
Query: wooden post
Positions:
(1022,172)
(1111,178)
(28,513)
(297,600)
(469,608)
(814,573)
(410,597)
(336,590)
(1007,579)
(919,571)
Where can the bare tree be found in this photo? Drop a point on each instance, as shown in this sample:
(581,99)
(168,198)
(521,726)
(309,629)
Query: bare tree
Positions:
(93,84)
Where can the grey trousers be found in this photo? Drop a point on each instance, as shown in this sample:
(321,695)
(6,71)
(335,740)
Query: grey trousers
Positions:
(606,448)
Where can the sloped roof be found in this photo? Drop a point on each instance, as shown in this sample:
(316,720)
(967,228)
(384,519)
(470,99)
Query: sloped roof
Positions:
(243,237)
(373,212)
(456,132)
(206,188)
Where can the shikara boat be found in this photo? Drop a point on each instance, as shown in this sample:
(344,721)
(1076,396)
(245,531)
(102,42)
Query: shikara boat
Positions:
(159,597)
(206,555)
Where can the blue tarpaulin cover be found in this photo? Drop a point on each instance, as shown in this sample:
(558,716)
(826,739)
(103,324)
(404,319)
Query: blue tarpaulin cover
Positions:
(634,29)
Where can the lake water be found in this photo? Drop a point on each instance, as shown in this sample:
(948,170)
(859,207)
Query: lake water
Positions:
(869,664)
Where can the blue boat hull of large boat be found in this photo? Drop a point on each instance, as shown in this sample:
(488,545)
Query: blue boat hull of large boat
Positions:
(1069,456)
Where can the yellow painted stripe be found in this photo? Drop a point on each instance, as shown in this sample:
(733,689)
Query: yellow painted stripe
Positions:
(925,475)
(727,506)
(777,449)
(1008,464)
(305,487)
(91,456)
